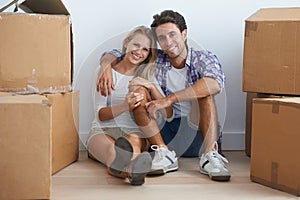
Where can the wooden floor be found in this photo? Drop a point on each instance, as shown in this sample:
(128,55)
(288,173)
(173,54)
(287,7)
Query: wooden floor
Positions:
(88,180)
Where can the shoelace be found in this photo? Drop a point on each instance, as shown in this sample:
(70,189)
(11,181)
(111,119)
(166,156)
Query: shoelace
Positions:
(160,152)
(217,160)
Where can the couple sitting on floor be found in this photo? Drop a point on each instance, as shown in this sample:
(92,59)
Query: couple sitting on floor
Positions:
(152,99)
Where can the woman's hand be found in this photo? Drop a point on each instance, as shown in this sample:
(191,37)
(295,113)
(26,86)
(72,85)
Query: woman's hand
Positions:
(133,100)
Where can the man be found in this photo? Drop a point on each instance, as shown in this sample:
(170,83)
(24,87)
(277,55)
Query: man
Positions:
(189,79)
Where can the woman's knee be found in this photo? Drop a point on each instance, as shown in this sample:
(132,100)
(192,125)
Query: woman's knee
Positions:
(143,91)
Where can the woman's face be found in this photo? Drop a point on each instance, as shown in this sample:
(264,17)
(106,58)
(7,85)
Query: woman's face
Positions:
(138,49)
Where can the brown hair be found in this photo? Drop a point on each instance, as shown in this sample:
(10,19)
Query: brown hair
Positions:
(169,16)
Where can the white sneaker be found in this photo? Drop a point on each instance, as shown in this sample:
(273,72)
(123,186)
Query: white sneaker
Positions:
(164,161)
(212,164)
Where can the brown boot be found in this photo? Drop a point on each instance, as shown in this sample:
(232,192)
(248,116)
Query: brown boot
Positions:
(124,152)
(137,170)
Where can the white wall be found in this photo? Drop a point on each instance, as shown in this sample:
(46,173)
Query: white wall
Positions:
(217,25)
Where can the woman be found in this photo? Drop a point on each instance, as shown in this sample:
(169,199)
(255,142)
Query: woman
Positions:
(115,139)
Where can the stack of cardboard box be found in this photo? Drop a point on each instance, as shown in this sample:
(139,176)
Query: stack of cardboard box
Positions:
(39,110)
(271,69)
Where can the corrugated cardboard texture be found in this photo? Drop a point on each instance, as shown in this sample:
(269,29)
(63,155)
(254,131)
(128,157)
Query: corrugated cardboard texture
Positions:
(35,52)
(271,52)
(65,138)
(275,143)
(25,156)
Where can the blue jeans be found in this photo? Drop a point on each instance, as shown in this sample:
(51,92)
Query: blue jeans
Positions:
(183,138)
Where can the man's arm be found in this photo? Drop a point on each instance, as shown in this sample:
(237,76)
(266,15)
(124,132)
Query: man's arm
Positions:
(202,88)
(104,82)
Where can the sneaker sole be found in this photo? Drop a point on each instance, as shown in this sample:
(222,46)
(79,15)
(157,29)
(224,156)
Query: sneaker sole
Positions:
(216,178)
(124,152)
(220,178)
(171,168)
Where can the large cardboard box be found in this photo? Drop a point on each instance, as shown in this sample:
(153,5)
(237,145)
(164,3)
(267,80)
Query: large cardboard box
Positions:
(25,138)
(248,124)
(65,138)
(36,49)
(22,118)
(275,143)
(272,52)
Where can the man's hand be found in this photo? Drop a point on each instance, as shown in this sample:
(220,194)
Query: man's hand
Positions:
(154,106)
(105,82)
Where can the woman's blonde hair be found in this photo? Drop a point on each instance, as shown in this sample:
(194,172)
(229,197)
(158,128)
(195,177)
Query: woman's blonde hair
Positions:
(146,69)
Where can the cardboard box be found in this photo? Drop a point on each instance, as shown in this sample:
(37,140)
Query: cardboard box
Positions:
(3,94)
(248,124)
(275,143)
(65,138)
(36,49)
(25,138)
(272,52)
(24,150)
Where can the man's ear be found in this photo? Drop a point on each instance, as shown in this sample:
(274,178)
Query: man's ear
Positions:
(184,34)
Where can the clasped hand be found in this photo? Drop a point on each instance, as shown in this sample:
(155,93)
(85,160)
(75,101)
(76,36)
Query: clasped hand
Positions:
(133,100)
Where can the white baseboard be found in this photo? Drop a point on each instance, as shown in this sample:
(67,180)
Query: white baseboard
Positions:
(233,141)
(230,140)
(82,142)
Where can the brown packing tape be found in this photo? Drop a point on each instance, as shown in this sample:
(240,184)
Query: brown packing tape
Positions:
(278,187)
(274,173)
(275,107)
(250,26)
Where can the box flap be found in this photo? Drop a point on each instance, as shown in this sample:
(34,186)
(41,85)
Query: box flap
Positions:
(14,2)
(276,14)
(44,7)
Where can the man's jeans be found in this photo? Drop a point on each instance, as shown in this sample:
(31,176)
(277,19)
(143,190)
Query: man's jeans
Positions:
(184,138)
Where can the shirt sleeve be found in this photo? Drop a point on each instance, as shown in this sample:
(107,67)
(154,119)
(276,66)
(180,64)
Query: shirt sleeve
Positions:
(116,52)
(209,66)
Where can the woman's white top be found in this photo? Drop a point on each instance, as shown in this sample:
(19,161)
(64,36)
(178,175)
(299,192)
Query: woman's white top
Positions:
(117,96)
